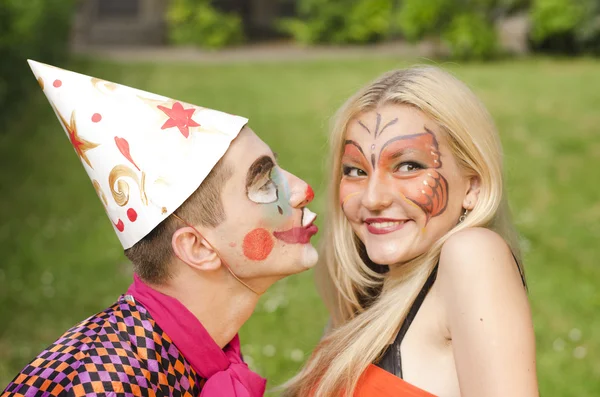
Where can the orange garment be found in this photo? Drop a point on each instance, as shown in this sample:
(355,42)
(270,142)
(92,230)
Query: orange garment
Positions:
(377,382)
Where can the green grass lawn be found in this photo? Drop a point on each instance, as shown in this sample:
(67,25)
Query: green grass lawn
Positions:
(61,261)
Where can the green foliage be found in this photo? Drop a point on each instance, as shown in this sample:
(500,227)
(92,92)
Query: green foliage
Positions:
(197,22)
(339,22)
(417,18)
(37,29)
(555,17)
(466,27)
(588,33)
(471,36)
(566,25)
(512,6)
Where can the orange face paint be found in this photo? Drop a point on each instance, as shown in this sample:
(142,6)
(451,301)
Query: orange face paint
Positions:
(423,187)
(353,154)
(348,197)
(422,147)
(258,244)
(426,188)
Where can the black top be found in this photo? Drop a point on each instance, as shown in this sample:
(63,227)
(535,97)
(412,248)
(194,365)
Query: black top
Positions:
(392,359)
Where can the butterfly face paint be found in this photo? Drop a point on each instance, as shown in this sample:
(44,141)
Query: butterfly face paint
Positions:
(413,159)
(400,188)
(354,165)
(417,173)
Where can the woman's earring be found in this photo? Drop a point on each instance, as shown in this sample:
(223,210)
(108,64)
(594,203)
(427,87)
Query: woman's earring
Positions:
(462,218)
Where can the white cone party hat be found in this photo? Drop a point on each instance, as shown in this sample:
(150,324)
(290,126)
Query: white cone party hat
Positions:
(145,153)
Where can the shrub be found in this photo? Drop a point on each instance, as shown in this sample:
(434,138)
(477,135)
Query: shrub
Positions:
(466,27)
(339,22)
(418,19)
(197,22)
(471,36)
(566,26)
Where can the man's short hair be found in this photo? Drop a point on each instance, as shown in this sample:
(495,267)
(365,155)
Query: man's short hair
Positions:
(152,255)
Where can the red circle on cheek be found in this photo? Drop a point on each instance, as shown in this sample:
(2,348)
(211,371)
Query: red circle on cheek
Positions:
(57,83)
(258,244)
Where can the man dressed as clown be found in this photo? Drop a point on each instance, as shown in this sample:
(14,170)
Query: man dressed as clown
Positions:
(208,220)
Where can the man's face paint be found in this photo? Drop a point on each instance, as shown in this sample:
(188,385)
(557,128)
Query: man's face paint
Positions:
(267,184)
(267,228)
(258,244)
(395,181)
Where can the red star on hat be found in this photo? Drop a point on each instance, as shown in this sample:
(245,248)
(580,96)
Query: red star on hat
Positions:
(179,117)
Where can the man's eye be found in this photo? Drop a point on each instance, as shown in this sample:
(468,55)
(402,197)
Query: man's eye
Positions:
(263,194)
(353,171)
(267,187)
(409,167)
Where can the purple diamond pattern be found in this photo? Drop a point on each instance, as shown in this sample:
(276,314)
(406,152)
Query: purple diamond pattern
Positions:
(119,351)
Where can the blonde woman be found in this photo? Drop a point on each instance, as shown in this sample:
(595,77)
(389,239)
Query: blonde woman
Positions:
(422,273)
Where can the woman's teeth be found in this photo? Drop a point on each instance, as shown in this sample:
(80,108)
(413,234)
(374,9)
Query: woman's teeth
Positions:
(385,225)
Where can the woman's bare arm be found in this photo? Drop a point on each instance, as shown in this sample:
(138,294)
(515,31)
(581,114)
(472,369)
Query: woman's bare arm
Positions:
(488,316)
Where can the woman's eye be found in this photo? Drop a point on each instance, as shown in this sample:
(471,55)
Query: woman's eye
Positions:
(353,171)
(264,194)
(409,167)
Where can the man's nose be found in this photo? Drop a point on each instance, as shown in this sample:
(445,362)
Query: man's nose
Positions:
(301,192)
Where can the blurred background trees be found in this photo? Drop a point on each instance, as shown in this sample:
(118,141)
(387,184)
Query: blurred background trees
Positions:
(29,29)
(466,29)
(459,29)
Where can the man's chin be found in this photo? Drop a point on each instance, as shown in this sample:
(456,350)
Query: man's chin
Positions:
(307,259)
(310,256)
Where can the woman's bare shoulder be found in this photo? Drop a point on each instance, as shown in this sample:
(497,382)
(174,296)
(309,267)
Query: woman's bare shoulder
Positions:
(475,260)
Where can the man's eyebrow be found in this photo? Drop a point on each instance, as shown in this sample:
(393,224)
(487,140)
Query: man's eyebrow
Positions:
(260,167)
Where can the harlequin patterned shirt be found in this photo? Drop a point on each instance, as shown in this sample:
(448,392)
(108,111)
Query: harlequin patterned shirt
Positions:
(120,351)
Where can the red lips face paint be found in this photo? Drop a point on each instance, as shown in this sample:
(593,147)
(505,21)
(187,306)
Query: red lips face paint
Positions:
(297,235)
(258,244)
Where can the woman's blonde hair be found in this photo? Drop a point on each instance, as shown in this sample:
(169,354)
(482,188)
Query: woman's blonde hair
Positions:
(367,307)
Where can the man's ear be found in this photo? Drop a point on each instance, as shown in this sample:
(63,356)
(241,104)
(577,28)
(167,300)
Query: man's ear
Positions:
(193,249)
(472,194)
